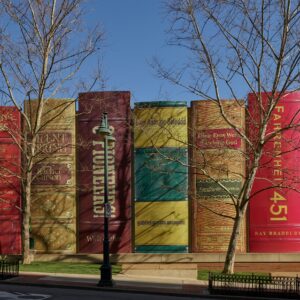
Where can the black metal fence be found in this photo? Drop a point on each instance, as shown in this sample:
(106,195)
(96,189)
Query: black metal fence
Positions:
(9,268)
(254,285)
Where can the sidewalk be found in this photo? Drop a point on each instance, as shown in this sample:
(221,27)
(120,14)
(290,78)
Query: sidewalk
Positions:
(122,283)
(126,284)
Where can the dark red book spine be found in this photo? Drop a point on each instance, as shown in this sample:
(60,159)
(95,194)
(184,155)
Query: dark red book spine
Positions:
(90,171)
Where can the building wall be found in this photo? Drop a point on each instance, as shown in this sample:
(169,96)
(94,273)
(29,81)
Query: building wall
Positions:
(90,168)
(275,209)
(217,168)
(10,184)
(161,177)
(53,200)
(171,213)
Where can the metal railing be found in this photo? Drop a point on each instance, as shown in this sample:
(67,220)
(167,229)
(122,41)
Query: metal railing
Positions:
(9,268)
(254,285)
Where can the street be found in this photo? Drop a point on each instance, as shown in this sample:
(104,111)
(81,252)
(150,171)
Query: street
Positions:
(10,292)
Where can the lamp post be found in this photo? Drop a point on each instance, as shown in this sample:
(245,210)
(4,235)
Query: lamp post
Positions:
(106,272)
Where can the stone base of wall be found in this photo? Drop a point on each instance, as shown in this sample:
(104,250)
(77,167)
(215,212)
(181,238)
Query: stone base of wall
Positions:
(172,270)
(251,262)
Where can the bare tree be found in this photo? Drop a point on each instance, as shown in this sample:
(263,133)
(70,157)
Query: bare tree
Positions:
(235,48)
(43,47)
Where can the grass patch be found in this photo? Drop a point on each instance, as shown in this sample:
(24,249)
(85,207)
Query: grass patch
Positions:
(203,274)
(65,267)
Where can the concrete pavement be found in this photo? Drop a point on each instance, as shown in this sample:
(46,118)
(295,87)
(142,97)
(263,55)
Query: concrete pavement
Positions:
(123,283)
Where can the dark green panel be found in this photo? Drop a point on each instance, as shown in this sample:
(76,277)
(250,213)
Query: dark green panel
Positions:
(211,189)
(161,249)
(160,104)
(161,174)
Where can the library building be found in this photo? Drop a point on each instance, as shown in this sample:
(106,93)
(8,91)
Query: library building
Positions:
(178,174)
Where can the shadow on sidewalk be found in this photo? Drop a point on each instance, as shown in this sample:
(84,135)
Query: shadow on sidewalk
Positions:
(122,283)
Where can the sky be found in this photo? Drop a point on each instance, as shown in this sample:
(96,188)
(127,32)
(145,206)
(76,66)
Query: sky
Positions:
(135,32)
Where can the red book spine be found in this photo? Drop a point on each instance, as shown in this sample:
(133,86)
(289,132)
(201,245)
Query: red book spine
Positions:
(10,186)
(275,205)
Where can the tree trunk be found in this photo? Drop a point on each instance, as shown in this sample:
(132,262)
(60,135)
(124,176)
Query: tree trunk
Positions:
(27,258)
(26,220)
(230,256)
